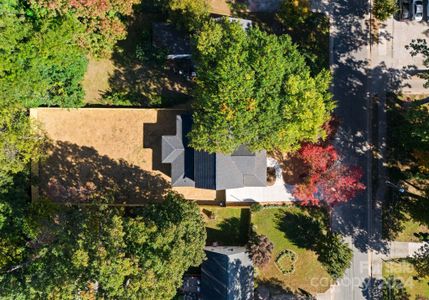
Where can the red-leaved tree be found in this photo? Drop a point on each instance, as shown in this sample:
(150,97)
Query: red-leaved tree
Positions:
(329,180)
(318,158)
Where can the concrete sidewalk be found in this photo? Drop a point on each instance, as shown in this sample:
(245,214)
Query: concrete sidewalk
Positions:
(396,250)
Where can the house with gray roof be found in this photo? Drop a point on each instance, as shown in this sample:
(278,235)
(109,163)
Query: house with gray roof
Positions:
(215,171)
(176,43)
(227,274)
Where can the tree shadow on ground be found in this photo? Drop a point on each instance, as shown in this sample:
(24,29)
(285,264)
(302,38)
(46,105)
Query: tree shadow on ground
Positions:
(72,173)
(309,228)
(402,167)
(294,169)
(302,229)
(273,289)
(142,76)
(351,218)
(231,231)
(380,289)
(153,133)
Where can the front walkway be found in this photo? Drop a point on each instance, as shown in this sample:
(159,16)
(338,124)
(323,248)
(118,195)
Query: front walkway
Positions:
(278,192)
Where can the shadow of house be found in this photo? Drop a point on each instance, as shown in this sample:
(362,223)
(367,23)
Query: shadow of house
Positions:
(73,174)
(153,132)
(227,274)
(273,289)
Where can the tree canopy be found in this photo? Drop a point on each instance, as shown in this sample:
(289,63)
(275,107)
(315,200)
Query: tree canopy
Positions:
(254,88)
(20,141)
(383,9)
(106,252)
(328,179)
(41,62)
(103,21)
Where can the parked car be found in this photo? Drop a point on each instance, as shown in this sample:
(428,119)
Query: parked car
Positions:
(403,12)
(417,10)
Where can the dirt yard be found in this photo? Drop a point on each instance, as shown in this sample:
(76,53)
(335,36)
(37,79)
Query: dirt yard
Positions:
(102,151)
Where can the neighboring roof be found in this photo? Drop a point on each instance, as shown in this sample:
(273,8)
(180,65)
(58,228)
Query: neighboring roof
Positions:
(211,171)
(263,5)
(219,7)
(244,23)
(227,274)
(166,36)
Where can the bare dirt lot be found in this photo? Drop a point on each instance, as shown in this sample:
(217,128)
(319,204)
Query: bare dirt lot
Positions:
(102,151)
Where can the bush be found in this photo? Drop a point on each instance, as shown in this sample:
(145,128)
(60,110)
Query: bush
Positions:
(255,207)
(335,255)
(291,256)
(260,249)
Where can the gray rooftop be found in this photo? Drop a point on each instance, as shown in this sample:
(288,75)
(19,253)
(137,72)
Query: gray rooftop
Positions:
(227,274)
(175,42)
(211,171)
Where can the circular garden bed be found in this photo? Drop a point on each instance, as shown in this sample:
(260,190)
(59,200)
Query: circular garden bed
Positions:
(285,261)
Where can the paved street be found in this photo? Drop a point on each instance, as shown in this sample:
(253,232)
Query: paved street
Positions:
(366,61)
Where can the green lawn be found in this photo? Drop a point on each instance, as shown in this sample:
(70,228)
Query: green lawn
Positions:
(404,271)
(410,228)
(287,228)
(229,227)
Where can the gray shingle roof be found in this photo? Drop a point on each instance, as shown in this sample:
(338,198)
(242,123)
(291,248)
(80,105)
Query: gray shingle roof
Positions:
(211,171)
(227,274)
(175,42)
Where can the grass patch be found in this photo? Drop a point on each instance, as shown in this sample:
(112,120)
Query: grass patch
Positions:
(128,79)
(405,217)
(227,226)
(405,272)
(410,231)
(309,273)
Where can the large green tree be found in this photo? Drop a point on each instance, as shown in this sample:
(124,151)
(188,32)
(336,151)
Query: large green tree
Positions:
(383,9)
(105,252)
(254,88)
(103,21)
(20,141)
(41,62)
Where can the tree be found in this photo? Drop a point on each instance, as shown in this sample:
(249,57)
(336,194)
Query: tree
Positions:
(101,19)
(335,255)
(260,249)
(41,61)
(20,142)
(294,13)
(317,157)
(188,13)
(329,180)
(420,260)
(100,251)
(420,47)
(254,88)
(383,9)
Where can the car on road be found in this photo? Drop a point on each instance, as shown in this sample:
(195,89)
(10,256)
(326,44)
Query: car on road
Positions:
(403,12)
(417,10)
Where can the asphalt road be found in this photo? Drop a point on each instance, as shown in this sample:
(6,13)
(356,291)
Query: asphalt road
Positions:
(364,67)
(351,66)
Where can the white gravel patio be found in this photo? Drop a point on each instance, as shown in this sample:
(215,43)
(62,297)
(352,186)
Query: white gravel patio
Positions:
(278,192)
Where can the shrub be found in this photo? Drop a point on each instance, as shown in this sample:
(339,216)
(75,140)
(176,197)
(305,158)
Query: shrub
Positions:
(286,255)
(255,207)
(260,249)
